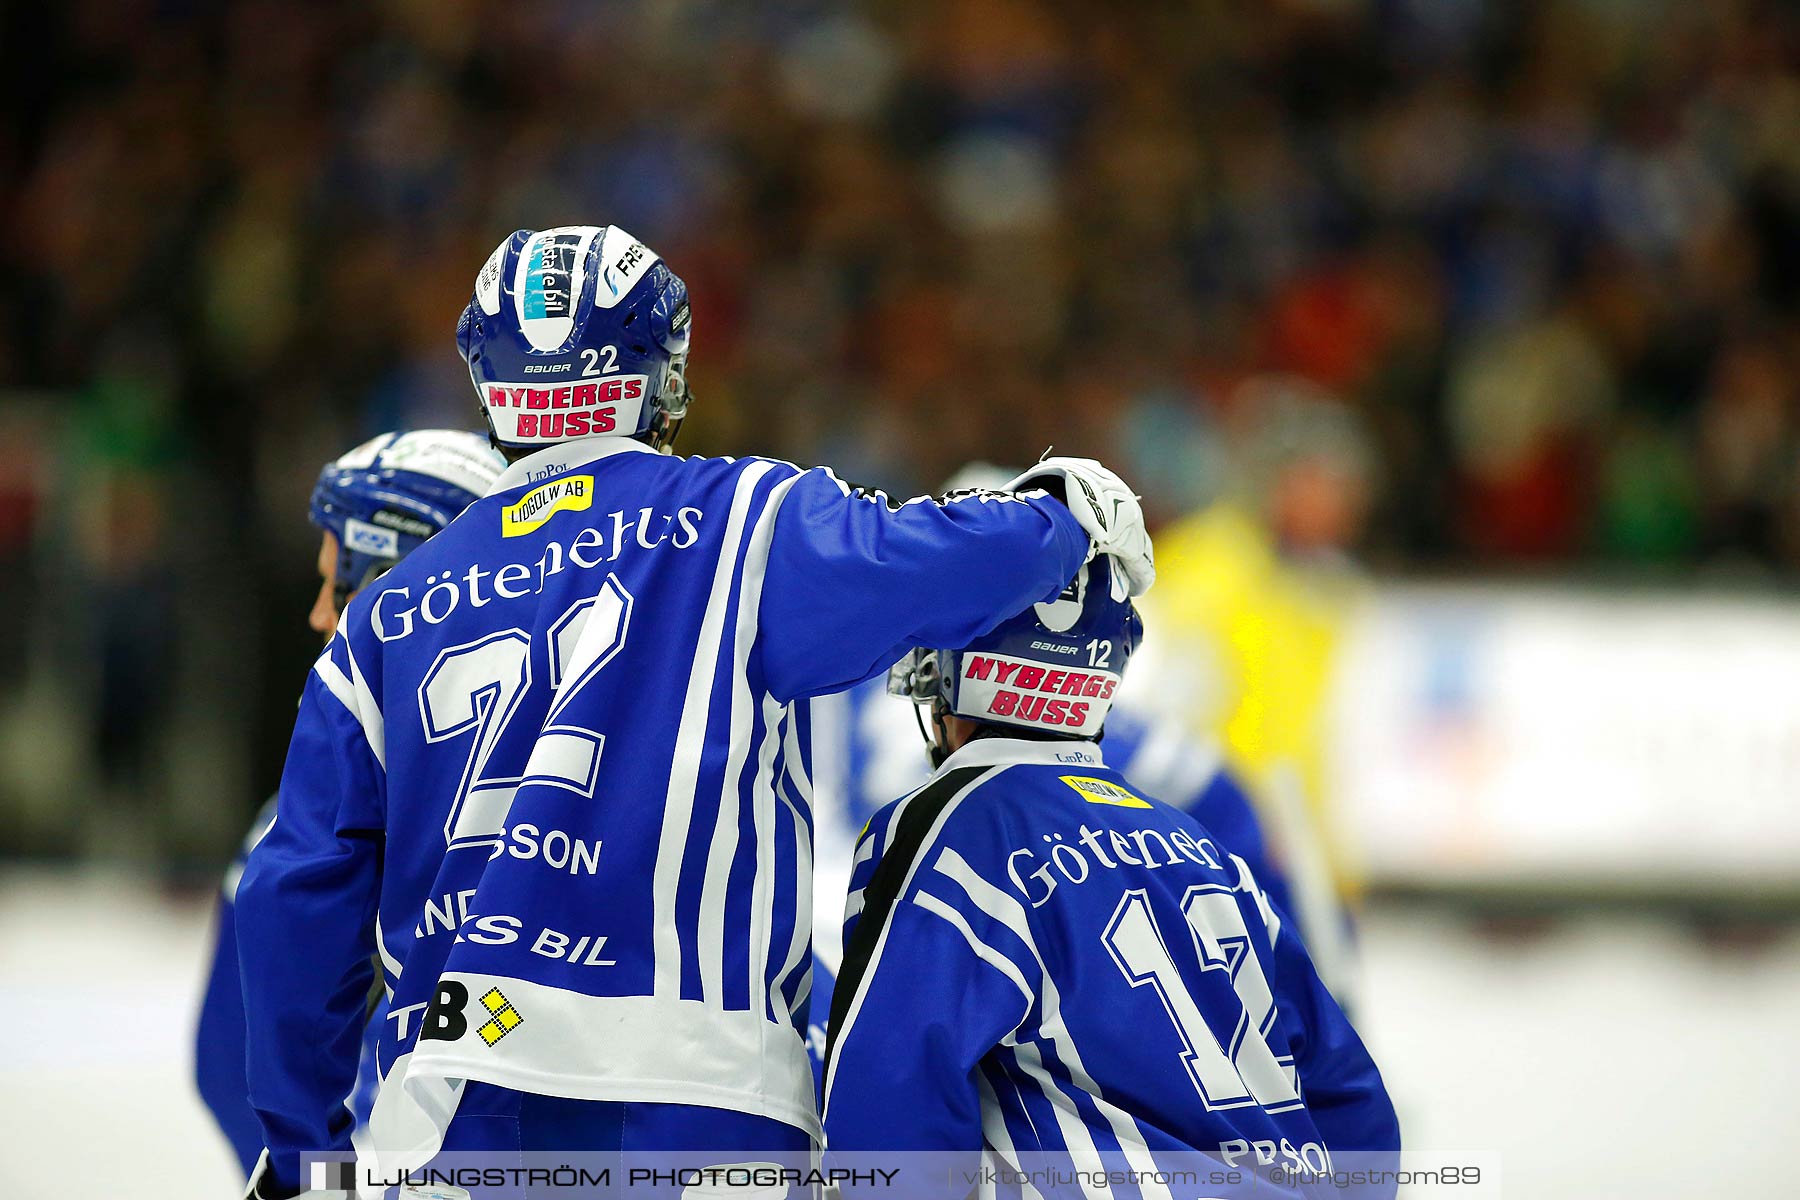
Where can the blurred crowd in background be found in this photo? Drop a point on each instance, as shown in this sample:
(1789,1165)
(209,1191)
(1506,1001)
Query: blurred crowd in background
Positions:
(1515,284)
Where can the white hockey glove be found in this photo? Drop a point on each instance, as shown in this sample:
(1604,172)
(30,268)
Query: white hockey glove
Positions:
(1108,510)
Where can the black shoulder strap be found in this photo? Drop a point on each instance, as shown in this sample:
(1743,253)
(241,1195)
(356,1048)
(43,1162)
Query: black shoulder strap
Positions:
(883,890)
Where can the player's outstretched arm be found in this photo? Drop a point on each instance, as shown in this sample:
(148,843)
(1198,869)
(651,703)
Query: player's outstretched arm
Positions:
(306,920)
(853,583)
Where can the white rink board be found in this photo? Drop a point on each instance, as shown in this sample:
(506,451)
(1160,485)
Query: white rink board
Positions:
(1509,734)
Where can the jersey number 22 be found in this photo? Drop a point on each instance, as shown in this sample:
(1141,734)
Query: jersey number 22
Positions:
(477,687)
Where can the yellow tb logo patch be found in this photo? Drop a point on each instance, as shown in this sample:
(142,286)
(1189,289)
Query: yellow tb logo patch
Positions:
(572,493)
(506,1018)
(1101,791)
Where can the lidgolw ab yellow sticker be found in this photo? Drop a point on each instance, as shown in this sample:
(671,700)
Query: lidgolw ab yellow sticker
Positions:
(572,493)
(1101,791)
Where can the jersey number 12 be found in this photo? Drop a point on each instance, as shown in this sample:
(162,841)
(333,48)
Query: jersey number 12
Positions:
(1228,1071)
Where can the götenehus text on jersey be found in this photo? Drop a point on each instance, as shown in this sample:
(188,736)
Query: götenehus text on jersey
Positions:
(397,612)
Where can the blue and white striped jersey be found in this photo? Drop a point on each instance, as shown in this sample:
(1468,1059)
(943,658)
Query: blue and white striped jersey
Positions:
(868,749)
(1040,959)
(553,770)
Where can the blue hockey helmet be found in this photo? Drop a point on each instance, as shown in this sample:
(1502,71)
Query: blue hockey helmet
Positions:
(1052,668)
(384,498)
(575,332)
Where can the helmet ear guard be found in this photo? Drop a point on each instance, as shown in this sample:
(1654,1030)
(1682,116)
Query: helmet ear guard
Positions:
(676,396)
(384,498)
(918,677)
(1050,670)
(671,325)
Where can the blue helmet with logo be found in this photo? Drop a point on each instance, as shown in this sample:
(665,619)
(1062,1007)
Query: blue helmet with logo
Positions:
(384,498)
(577,332)
(1052,669)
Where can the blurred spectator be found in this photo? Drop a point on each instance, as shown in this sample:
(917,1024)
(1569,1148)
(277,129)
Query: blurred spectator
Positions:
(1548,254)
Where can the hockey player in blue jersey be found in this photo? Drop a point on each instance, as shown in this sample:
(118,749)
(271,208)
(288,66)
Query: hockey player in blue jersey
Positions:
(874,755)
(372,506)
(866,752)
(554,767)
(1048,965)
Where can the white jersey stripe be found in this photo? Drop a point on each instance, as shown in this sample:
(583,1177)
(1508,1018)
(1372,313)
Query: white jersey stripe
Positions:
(762,886)
(866,851)
(803,922)
(999,1137)
(796,762)
(874,967)
(870,846)
(776,719)
(367,710)
(387,960)
(983,951)
(339,685)
(1006,910)
(1030,1060)
(684,773)
(1075,1136)
(798,796)
(722,855)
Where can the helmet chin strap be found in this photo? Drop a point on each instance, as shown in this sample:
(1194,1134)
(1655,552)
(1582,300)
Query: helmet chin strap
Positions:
(342,590)
(509,453)
(661,434)
(662,431)
(937,741)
